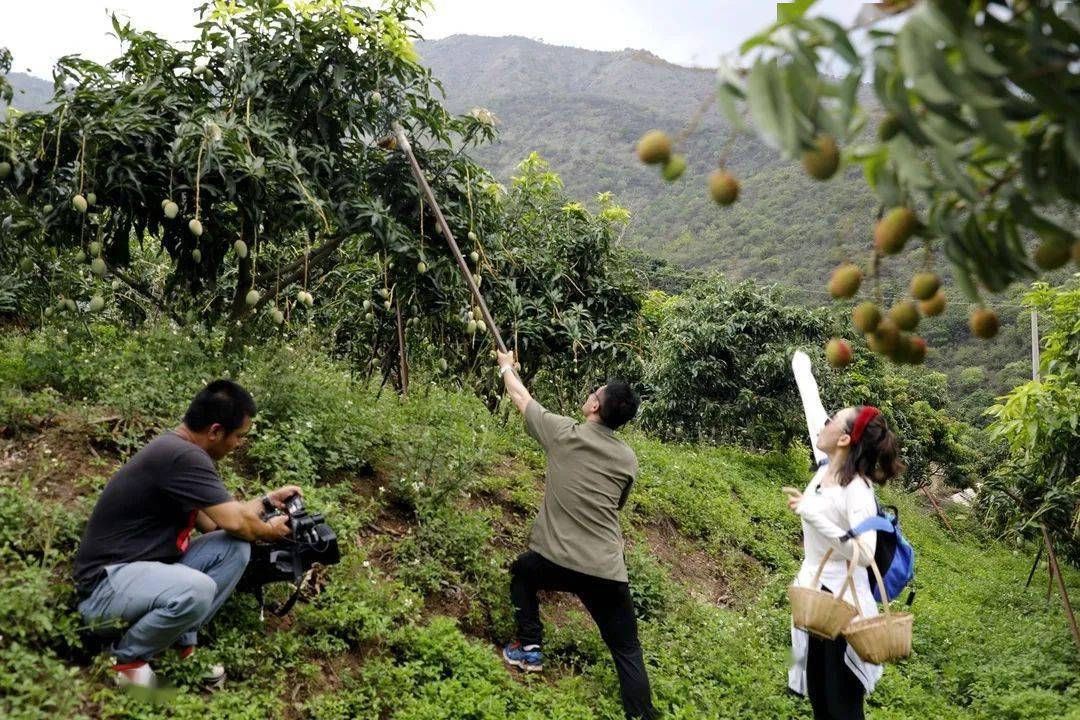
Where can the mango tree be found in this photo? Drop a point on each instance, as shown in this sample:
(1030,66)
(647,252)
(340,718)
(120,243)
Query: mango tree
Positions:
(549,268)
(719,370)
(250,156)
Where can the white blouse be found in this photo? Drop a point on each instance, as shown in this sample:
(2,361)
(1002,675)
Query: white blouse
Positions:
(827,514)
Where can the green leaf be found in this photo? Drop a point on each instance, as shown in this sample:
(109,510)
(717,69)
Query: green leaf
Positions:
(969,90)
(937,25)
(949,165)
(849,89)
(762,38)
(1072,138)
(882,178)
(727,97)
(992,124)
(803,84)
(838,40)
(916,50)
(1063,173)
(965,283)
(945,128)
(1031,169)
(769,106)
(1046,229)
(976,58)
(872,167)
(789,11)
(911,169)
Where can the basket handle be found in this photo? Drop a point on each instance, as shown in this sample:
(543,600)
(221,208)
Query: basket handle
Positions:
(816,584)
(877,575)
(849,581)
(848,584)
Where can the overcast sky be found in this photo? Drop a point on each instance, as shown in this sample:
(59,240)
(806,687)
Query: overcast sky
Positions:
(682,31)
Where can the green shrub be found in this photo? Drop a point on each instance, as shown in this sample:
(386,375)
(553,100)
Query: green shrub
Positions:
(359,605)
(36,604)
(719,370)
(312,421)
(35,684)
(32,527)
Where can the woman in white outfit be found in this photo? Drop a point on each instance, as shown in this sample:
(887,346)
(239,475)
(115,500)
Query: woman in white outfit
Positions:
(854,448)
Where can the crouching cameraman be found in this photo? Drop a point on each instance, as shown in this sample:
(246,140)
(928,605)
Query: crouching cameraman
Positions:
(137,566)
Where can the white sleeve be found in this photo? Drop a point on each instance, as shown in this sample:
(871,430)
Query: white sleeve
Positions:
(862,506)
(811,400)
(859,504)
(831,532)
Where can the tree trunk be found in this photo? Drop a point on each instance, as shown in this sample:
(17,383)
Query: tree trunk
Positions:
(403,358)
(1056,570)
(941,513)
(238,309)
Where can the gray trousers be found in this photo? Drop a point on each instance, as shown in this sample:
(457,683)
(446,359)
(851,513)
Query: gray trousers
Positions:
(160,603)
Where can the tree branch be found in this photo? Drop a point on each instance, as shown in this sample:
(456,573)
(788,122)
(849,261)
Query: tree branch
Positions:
(243,284)
(144,292)
(999,182)
(286,281)
(316,256)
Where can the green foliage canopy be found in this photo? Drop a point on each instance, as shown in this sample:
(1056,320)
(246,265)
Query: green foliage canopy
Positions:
(1040,423)
(982,126)
(720,366)
(551,271)
(720,371)
(266,130)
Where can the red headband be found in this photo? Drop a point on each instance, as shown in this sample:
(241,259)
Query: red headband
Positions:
(867,414)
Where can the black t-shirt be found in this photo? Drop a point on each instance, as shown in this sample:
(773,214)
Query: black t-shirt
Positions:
(147,510)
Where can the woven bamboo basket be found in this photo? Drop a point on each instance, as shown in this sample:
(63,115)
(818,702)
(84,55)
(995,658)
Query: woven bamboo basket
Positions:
(821,613)
(882,639)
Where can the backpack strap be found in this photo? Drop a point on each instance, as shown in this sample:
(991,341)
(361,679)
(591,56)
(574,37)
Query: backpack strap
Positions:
(878,522)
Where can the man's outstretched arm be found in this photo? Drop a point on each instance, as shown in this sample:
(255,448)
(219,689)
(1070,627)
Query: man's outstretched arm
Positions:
(514,387)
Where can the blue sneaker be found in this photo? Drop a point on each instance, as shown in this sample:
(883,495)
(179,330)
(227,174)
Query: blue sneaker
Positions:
(528,658)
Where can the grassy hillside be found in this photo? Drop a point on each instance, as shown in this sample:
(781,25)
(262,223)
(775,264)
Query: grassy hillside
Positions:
(432,497)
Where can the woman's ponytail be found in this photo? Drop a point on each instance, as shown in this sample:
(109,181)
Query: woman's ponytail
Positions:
(874,455)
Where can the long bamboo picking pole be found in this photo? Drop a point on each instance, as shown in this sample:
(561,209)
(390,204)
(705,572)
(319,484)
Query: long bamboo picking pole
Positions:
(421,181)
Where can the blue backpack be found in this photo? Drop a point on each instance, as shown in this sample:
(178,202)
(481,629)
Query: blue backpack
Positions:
(893,554)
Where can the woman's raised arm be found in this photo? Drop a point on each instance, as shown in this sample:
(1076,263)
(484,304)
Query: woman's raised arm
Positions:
(811,400)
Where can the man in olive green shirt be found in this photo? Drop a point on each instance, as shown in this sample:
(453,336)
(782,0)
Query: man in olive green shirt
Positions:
(576,543)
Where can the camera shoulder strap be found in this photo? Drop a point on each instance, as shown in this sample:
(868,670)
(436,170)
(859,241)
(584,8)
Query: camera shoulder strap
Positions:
(298,577)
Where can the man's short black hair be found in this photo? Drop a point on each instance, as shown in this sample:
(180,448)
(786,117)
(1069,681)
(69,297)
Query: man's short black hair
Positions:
(618,404)
(223,402)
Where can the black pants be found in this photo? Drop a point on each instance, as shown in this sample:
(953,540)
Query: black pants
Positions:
(610,605)
(834,691)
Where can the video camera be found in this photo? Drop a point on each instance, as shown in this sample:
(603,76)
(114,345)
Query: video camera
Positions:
(288,559)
